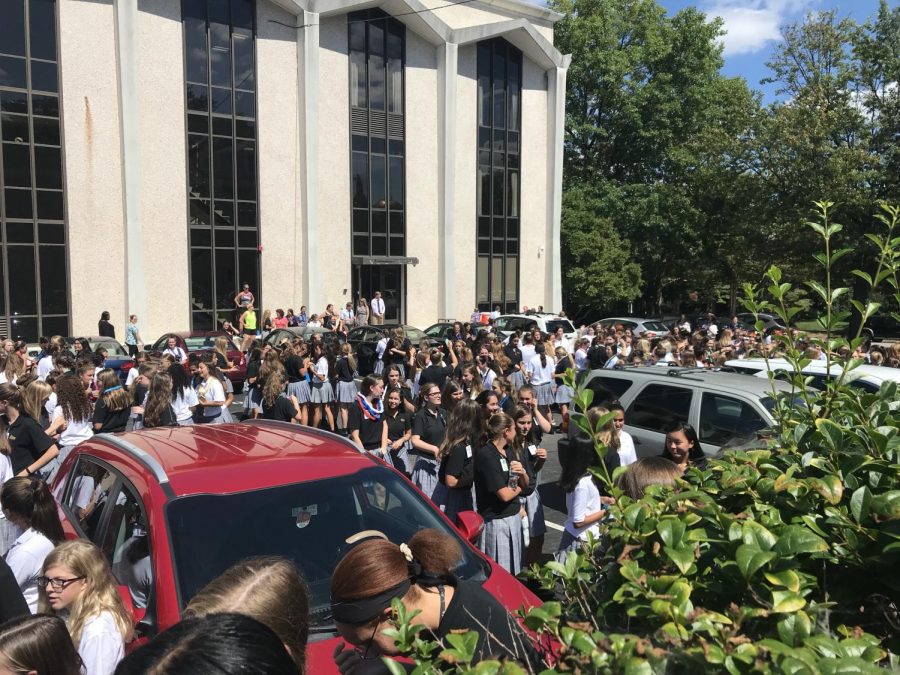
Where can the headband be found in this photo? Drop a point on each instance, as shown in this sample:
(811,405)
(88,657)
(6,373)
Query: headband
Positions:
(108,389)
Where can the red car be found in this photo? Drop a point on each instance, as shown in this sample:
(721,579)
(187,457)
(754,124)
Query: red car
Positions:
(200,341)
(174,507)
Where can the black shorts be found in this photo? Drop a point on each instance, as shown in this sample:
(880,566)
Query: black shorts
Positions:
(250,331)
(132,350)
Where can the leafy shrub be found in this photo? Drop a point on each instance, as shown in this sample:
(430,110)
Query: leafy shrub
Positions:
(780,558)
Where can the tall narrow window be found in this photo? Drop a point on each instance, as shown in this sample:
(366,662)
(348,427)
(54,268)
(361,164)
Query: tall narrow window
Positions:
(498,183)
(34,298)
(220,72)
(377,163)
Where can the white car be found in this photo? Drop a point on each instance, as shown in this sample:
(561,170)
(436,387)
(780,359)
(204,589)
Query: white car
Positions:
(547,323)
(641,328)
(865,377)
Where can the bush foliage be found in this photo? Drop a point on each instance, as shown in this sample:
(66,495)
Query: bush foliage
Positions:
(777,558)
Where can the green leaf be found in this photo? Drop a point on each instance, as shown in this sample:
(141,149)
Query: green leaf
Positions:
(786,578)
(831,433)
(754,533)
(865,277)
(751,558)
(683,557)
(795,628)
(860,502)
(830,487)
(887,506)
(795,539)
(671,530)
(786,601)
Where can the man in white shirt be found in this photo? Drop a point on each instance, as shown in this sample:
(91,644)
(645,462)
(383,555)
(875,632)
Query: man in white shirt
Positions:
(347,315)
(377,309)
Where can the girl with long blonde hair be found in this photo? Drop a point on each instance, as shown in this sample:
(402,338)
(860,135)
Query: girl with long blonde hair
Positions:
(34,397)
(78,582)
(221,355)
(113,404)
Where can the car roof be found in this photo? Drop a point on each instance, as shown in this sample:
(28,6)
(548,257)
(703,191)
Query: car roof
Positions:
(226,458)
(636,319)
(710,379)
(873,372)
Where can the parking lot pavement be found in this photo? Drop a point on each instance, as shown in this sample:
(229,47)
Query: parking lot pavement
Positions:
(552,496)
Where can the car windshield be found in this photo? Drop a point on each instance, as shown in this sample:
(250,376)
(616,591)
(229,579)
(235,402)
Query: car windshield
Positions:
(436,330)
(304,522)
(554,324)
(195,343)
(413,334)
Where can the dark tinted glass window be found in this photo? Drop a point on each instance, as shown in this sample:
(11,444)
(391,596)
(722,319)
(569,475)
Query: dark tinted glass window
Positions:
(658,406)
(724,419)
(34,286)
(220,74)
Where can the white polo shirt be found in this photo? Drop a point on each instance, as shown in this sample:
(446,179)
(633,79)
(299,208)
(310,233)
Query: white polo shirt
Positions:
(26,560)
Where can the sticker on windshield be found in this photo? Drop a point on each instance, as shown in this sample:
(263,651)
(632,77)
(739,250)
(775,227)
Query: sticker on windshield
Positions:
(303,514)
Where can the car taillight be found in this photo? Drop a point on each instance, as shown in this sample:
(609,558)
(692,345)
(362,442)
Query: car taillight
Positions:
(128,365)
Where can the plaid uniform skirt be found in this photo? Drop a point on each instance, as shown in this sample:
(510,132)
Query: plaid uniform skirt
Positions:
(502,540)
(402,460)
(253,401)
(346,392)
(564,394)
(425,474)
(8,535)
(321,392)
(300,391)
(517,379)
(453,500)
(537,527)
(566,544)
(544,394)
(379,367)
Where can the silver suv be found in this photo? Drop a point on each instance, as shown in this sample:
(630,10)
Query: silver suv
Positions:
(724,408)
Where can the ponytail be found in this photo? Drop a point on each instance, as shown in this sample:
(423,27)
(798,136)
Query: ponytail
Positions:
(11,394)
(29,498)
(541,351)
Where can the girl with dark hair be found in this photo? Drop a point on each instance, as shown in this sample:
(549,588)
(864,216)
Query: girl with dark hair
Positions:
(29,506)
(113,406)
(104,327)
(451,395)
(585,506)
(505,393)
(267,589)
(392,377)
(322,394)
(500,480)
(184,398)
(541,369)
(429,427)
(366,422)
(399,430)
(38,644)
(376,571)
(71,419)
(158,410)
(454,492)
(31,449)
(252,402)
(470,380)
(682,446)
(533,457)
(296,366)
(564,393)
(225,644)
(489,402)
(210,395)
(346,386)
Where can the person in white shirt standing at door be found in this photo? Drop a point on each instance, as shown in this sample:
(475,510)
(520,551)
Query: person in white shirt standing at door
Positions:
(377,309)
(627,453)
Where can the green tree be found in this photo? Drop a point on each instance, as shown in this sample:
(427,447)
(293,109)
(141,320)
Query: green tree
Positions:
(651,133)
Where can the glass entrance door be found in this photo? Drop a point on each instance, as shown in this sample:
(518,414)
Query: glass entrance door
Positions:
(389,279)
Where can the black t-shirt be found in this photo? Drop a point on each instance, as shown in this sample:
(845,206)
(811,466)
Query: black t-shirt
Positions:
(397,425)
(27,442)
(112,421)
(560,370)
(166,419)
(436,374)
(431,428)
(282,410)
(514,354)
(460,464)
(293,364)
(12,602)
(491,474)
(398,359)
(253,371)
(221,361)
(369,430)
(344,371)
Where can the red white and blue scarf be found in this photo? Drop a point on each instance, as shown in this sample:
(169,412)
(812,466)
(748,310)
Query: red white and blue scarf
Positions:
(369,411)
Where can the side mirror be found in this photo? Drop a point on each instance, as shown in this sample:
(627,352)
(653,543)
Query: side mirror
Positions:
(470,524)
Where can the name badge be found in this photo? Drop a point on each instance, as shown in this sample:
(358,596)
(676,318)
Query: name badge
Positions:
(532,449)
(468,452)
(503,464)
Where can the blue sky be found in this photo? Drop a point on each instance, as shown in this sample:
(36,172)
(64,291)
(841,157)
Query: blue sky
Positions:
(754,28)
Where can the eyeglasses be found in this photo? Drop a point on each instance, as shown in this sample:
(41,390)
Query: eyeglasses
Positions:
(435,393)
(56,584)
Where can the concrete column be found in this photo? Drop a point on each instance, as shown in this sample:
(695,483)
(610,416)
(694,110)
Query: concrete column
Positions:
(556,119)
(129,118)
(447,76)
(308,134)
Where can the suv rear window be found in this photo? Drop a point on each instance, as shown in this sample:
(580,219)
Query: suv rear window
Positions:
(724,419)
(658,406)
(554,325)
(609,388)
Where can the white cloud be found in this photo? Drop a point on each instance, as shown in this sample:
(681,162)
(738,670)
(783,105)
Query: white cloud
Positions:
(751,25)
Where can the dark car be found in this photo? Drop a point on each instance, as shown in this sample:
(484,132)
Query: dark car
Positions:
(279,335)
(442,330)
(882,327)
(199,341)
(365,338)
(117,356)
